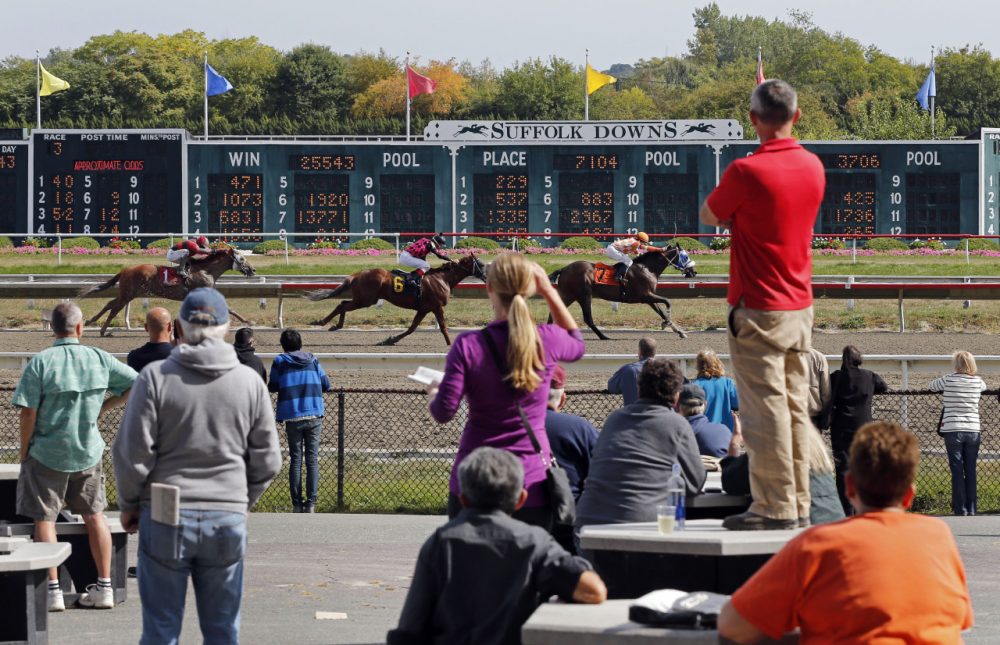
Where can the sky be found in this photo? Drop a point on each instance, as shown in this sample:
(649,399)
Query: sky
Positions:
(503,31)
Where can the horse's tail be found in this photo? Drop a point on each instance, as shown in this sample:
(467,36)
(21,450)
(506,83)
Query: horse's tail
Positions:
(323,294)
(100,287)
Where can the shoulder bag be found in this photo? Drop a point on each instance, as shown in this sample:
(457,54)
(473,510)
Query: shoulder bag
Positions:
(556,481)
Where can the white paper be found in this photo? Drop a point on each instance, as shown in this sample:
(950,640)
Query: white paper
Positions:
(165,504)
(426,376)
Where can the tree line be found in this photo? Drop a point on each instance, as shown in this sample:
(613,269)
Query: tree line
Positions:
(847,90)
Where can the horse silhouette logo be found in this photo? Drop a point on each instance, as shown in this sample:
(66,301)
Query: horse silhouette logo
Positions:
(475,128)
(704,128)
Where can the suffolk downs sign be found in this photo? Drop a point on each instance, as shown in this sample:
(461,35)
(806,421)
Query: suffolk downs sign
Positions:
(582,131)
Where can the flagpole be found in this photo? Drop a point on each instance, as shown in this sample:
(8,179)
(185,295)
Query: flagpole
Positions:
(933,131)
(204,71)
(38,90)
(407,96)
(586,95)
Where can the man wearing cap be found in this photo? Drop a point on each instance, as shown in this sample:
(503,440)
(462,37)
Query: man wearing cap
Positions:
(201,422)
(713,439)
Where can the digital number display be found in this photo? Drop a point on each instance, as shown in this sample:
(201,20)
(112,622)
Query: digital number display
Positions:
(585,162)
(322,203)
(933,203)
(407,203)
(851,160)
(236,205)
(321,162)
(501,203)
(670,202)
(106,182)
(849,204)
(586,203)
(8,161)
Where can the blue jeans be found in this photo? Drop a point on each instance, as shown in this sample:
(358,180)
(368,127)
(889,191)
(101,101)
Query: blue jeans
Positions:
(305,434)
(208,546)
(963,449)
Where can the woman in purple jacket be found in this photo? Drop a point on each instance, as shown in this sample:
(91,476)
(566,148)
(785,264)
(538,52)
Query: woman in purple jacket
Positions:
(530,353)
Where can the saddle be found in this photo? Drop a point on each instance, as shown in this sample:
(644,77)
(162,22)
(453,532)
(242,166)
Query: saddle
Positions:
(405,283)
(609,275)
(170,276)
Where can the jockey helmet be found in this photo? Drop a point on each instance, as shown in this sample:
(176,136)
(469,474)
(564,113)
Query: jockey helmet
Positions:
(439,240)
(642,237)
(203,242)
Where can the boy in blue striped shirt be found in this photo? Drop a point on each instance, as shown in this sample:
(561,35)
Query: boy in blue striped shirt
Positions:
(300,382)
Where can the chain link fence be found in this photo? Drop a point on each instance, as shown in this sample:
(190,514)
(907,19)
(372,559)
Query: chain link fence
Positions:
(381,452)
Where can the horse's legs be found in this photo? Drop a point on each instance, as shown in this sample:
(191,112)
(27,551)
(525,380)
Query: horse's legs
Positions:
(239,317)
(343,308)
(655,306)
(97,317)
(118,306)
(392,340)
(667,320)
(442,324)
(588,317)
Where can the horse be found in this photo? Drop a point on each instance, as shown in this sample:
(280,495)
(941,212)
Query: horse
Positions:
(150,280)
(367,287)
(576,283)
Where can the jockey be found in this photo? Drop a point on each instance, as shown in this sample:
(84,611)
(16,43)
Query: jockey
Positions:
(187,250)
(415,254)
(622,250)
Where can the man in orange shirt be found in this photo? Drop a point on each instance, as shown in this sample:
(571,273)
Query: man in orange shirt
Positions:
(884,575)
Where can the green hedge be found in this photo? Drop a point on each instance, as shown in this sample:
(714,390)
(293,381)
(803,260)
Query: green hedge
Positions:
(720,243)
(937,245)
(980,244)
(80,243)
(269,245)
(886,244)
(689,243)
(484,243)
(581,243)
(36,242)
(373,243)
(6,243)
(160,244)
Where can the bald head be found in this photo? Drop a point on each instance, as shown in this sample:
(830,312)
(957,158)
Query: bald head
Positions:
(159,325)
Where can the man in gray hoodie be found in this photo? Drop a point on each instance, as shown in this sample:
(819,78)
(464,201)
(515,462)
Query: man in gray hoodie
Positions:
(201,422)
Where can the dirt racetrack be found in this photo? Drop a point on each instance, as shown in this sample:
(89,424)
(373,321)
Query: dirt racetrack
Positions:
(623,342)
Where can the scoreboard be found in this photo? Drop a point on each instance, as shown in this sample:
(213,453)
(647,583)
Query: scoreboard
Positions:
(13,186)
(894,188)
(123,182)
(582,189)
(245,189)
(990,181)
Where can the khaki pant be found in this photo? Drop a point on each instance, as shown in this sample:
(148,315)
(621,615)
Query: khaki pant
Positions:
(769,351)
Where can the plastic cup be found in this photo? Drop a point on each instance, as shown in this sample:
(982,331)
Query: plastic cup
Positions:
(666,518)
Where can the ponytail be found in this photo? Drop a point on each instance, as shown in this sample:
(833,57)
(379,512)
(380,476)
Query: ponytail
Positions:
(524,347)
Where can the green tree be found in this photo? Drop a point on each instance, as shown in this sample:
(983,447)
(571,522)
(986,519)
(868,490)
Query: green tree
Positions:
(310,83)
(362,70)
(630,103)
(535,90)
(968,88)
(881,116)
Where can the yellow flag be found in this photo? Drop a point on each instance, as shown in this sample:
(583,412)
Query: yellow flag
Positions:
(51,84)
(596,80)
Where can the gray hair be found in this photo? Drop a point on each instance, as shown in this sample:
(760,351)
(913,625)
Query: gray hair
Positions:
(774,102)
(691,410)
(195,333)
(491,479)
(65,317)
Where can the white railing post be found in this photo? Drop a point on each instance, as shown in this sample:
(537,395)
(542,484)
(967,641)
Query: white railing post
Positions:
(397,247)
(967,261)
(286,248)
(59,244)
(854,250)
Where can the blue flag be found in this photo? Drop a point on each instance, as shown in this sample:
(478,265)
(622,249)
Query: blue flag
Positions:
(927,90)
(216,83)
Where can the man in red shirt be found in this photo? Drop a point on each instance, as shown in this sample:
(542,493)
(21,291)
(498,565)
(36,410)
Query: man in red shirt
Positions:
(769,201)
(882,576)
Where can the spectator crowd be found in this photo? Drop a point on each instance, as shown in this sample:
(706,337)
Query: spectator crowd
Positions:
(198,445)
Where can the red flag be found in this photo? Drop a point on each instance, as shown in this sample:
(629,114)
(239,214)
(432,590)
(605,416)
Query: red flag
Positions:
(760,68)
(419,84)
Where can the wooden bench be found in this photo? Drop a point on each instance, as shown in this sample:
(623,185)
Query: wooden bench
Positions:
(79,568)
(24,576)
(607,624)
(634,559)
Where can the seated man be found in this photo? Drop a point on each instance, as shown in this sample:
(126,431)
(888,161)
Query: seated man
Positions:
(713,438)
(636,451)
(480,576)
(883,575)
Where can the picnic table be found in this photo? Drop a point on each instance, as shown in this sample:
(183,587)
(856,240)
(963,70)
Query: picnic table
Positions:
(24,576)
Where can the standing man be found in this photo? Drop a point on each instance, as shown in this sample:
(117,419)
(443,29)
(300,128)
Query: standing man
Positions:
(61,396)
(625,381)
(769,201)
(160,328)
(300,382)
(245,345)
(201,422)
(819,385)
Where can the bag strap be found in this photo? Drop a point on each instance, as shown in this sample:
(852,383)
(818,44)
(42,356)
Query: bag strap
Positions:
(502,368)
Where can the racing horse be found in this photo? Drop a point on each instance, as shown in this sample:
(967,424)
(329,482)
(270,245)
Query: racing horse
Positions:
(583,281)
(150,280)
(367,287)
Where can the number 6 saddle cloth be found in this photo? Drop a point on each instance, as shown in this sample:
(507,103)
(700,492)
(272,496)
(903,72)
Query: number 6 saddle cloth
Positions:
(605,274)
(403,283)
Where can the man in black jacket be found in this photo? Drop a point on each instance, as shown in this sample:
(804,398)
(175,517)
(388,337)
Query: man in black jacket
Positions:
(159,327)
(244,345)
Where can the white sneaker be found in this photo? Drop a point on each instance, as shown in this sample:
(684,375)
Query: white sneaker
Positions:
(56,602)
(97,598)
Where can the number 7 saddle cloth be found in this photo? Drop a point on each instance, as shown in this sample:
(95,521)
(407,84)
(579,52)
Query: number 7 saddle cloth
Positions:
(605,274)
